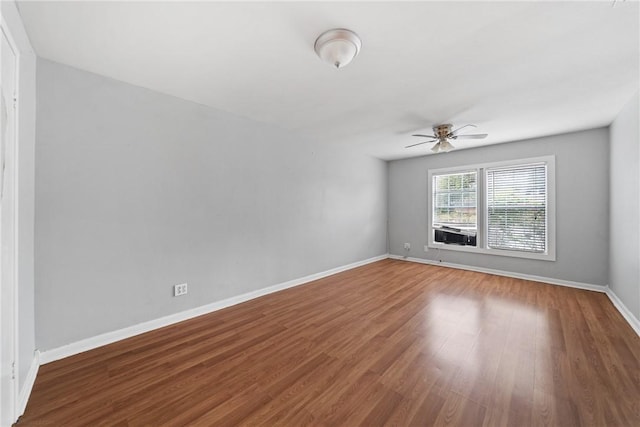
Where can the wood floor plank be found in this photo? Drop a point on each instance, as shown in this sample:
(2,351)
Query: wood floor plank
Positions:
(389,343)
(429,410)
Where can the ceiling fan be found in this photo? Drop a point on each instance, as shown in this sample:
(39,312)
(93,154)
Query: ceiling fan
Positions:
(442,135)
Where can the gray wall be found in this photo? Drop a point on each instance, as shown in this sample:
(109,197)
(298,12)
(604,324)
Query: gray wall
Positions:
(137,191)
(625,212)
(582,214)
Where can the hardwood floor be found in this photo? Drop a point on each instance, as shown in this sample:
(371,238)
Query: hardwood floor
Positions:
(390,343)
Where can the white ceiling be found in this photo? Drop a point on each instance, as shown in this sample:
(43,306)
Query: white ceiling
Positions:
(515,69)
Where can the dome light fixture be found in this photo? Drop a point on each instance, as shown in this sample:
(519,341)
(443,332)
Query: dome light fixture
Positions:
(443,145)
(338,47)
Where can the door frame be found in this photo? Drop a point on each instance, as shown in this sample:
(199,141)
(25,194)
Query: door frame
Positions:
(10,403)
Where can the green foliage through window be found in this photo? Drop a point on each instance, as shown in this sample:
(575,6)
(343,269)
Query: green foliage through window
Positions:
(455,200)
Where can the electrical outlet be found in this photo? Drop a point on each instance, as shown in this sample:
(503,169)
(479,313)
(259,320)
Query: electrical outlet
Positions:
(179,290)
(407,246)
(426,248)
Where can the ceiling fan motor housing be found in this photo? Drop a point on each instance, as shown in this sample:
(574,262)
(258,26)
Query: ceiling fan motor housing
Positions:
(442,131)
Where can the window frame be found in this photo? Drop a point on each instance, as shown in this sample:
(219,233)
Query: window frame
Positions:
(458,173)
(482,208)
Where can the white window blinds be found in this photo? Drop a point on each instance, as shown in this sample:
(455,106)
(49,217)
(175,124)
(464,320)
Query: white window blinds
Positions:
(517,208)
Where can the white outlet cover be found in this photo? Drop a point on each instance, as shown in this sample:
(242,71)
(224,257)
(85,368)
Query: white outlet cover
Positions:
(179,290)
(426,248)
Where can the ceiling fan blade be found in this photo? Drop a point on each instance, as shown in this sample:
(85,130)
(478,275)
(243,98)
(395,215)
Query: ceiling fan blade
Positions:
(419,143)
(454,132)
(425,136)
(476,136)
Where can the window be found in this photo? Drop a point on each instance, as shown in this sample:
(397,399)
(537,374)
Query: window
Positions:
(454,200)
(505,208)
(517,208)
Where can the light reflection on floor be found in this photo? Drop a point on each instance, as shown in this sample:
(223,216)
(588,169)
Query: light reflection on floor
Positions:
(476,333)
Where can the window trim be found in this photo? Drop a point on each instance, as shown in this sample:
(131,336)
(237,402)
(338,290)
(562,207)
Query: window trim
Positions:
(482,202)
(458,173)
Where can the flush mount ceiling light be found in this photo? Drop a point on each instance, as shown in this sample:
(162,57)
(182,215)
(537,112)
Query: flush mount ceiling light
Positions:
(338,47)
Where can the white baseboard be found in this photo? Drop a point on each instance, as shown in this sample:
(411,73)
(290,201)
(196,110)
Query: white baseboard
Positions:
(626,313)
(23,398)
(111,337)
(548,280)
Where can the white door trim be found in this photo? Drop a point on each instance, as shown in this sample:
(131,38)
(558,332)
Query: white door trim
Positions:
(10,403)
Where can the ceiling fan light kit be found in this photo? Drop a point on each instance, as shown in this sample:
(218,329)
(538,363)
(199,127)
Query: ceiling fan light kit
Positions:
(443,146)
(441,136)
(338,46)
